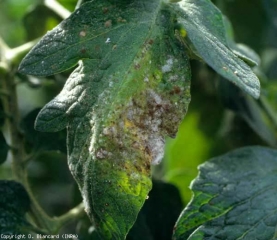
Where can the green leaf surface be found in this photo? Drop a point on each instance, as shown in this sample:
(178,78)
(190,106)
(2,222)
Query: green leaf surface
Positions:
(234,198)
(4,148)
(130,90)
(204,29)
(14,203)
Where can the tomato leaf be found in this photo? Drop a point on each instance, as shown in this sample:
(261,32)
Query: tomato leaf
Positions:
(129,91)
(4,148)
(234,198)
(203,28)
(14,203)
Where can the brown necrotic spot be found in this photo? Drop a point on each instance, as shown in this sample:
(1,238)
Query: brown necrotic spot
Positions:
(108,24)
(105,10)
(175,90)
(137,66)
(83,50)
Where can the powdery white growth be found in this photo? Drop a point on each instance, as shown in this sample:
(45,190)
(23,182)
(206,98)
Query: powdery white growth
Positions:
(156,146)
(168,66)
(155,96)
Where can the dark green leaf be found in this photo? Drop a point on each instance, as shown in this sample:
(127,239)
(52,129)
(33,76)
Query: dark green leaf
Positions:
(2,114)
(271,9)
(14,203)
(247,108)
(39,140)
(130,90)
(234,198)
(204,26)
(4,148)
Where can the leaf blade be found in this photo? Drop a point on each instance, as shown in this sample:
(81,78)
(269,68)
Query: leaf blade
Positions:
(14,204)
(205,29)
(228,197)
(118,107)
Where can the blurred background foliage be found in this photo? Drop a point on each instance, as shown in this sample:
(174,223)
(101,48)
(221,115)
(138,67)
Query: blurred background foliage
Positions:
(220,116)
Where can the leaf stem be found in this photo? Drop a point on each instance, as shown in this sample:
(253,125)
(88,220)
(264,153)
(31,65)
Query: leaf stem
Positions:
(18,154)
(72,214)
(57,8)
(15,55)
(79,3)
(3,45)
(11,108)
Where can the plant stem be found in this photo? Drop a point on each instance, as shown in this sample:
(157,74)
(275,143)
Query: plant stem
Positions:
(79,3)
(15,55)
(74,213)
(57,8)
(16,138)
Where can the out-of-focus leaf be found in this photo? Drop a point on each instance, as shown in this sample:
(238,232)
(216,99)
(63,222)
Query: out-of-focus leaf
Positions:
(159,213)
(14,203)
(271,9)
(246,54)
(269,60)
(236,100)
(52,182)
(11,14)
(234,198)
(241,50)
(204,29)
(38,20)
(4,148)
(249,21)
(131,89)
(2,114)
(40,140)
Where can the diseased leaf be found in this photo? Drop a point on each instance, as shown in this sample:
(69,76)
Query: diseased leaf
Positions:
(14,203)
(4,148)
(130,90)
(234,198)
(203,28)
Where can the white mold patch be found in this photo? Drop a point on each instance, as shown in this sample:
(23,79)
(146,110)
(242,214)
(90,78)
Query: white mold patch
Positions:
(156,147)
(155,96)
(102,153)
(168,66)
